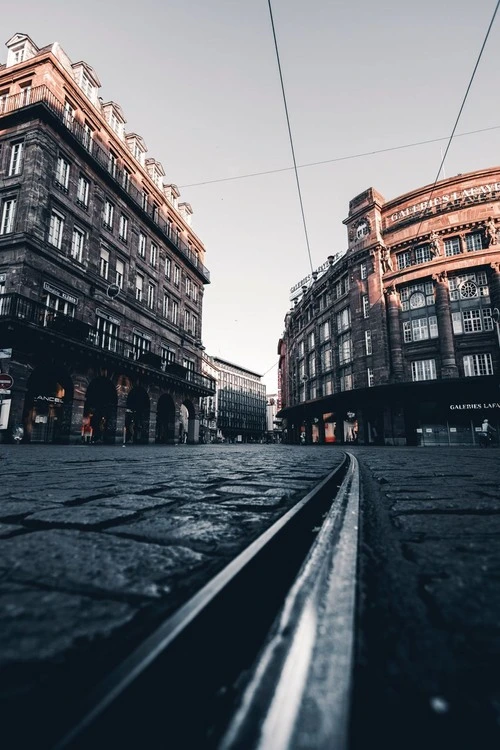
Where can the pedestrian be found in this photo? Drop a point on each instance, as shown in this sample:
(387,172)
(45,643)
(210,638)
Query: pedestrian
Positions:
(486,435)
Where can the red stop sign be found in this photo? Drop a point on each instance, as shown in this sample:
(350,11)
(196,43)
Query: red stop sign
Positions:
(6,381)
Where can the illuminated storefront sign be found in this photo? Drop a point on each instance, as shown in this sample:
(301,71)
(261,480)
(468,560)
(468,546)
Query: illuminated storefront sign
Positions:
(470,407)
(50,399)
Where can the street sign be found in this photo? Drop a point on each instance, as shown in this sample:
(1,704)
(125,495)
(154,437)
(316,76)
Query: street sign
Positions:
(6,381)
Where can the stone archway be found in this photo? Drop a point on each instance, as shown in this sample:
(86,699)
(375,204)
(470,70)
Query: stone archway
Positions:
(137,416)
(47,406)
(189,424)
(165,419)
(99,414)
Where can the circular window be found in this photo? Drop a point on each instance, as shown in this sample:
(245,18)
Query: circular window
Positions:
(468,289)
(417,299)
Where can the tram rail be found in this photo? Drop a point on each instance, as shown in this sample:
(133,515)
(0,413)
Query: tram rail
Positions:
(217,673)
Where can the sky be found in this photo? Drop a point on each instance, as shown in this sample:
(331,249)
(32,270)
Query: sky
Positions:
(199,80)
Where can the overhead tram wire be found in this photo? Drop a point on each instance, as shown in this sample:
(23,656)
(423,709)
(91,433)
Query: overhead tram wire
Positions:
(460,112)
(339,158)
(290,136)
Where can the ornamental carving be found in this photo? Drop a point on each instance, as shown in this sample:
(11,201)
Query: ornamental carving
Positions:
(490,231)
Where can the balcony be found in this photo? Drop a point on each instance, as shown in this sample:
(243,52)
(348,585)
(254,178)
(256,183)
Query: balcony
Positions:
(43,95)
(14,308)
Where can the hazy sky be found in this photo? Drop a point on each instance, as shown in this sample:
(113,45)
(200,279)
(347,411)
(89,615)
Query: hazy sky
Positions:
(198,79)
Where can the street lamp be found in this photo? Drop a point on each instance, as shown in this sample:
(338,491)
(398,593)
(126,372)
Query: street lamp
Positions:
(496,317)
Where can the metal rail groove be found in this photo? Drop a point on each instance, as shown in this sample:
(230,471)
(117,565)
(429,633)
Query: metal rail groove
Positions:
(181,686)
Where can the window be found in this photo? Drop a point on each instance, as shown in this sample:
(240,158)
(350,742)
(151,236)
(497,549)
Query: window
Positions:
(139,286)
(82,193)
(326,358)
(363,270)
(187,286)
(477,364)
(54,305)
(312,365)
(8,216)
(403,259)
(140,344)
(62,173)
(109,211)
(123,228)
(112,163)
(16,156)
(177,275)
(310,340)
(166,305)
(324,331)
(4,93)
(186,320)
(346,379)
(368,342)
(119,273)
(168,267)
(142,245)
(104,263)
(345,348)
(423,369)
(343,320)
(167,356)
(77,244)
(87,86)
(88,135)
(126,174)
(417,300)
(18,54)
(194,324)
(460,288)
(56,228)
(174,312)
(194,292)
(411,295)
(370,377)
(423,254)
(69,113)
(366,306)
(301,348)
(25,89)
(107,334)
(328,387)
(153,255)
(420,329)
(151,296)
(144,197)
(474,241)
(342,287)
(452,246)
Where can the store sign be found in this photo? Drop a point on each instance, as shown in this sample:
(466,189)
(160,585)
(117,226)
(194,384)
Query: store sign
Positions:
(107,316)
(59,293)
(297,288)
(457,198)
(50,399)
(470,407)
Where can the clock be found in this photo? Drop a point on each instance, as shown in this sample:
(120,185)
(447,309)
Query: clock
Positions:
(363,229)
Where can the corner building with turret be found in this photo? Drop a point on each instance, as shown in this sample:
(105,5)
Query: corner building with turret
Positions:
(397,341)
(101,273)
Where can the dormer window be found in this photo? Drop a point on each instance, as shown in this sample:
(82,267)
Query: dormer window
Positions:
(87,80)
(18,54)
(20,48)
(114,117)
(87,86)
(137,147)
(155,171)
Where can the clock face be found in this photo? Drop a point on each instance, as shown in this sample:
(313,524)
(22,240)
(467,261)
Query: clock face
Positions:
(363,229)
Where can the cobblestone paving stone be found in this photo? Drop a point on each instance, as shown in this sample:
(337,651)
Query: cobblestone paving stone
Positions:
(431,580)
(100,544)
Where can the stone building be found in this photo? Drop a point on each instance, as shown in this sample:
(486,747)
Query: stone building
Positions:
(101,274)
(397,340)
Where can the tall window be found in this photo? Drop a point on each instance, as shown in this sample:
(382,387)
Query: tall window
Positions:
(177,275)
(423,254)
(174,312)
(404,259)
(56,229)
(312,365)
(151,296)
(310,340)
(119,273)
(104,263)
(345,348)
(368,342)
(139,287)
(142,245)
(477,364)
(363,270)
(112,163)
(82,193)
(166,305)
(107,334)
(168,267)
(346,379)
(366,306)
(370,377)
(452,246)
(16,157)
(153,255)
(126,174)
(194,324)
(88,136)
(474,241)
(62,173)
(8,216)
(108,214)
(140,344)
(123,228)
(324,331)
(167,356)
(343,320)
(423,369)
(77,244)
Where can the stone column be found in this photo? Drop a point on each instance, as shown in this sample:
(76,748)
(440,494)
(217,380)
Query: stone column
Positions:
(395,340)
(494,284)
(449,367)
(193,431)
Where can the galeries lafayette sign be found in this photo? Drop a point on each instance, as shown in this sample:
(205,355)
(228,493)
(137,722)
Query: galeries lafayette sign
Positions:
(467,195)
(468,407)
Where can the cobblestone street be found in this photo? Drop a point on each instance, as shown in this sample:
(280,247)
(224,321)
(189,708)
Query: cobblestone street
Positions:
(99,544)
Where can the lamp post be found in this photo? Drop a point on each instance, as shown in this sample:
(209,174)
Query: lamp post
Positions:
(496,317)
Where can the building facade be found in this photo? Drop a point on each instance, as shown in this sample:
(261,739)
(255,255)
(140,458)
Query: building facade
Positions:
(101,274)
(397,341)
(241,403)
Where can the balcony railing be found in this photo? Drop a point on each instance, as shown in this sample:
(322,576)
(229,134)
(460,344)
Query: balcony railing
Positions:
(43,95)
(19,308)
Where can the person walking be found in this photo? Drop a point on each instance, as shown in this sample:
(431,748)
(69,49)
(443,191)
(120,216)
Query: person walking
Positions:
(487,433)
